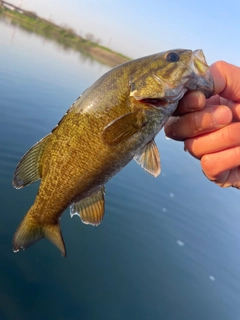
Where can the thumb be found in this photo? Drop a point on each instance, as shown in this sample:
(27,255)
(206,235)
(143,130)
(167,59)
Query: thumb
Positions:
(226,80)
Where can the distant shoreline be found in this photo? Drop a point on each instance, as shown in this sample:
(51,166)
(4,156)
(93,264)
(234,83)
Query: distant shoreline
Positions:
(64,36)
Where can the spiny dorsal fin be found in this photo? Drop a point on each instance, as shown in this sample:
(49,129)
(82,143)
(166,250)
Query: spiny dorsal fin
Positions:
(124,127)
(149,159)
(28,169)
(90,209)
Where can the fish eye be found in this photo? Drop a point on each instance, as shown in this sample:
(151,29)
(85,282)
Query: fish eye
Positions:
(172,57)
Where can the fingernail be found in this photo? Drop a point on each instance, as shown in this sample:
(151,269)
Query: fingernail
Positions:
(169,128)
(222,115)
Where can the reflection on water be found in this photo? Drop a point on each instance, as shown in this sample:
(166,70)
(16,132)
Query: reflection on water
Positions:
(167,248)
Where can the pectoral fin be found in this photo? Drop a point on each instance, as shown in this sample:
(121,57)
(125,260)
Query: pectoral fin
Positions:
(149,159)
(124,127)
(90,209)
(28,169)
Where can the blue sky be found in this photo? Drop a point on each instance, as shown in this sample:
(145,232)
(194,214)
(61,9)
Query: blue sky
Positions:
(138,28)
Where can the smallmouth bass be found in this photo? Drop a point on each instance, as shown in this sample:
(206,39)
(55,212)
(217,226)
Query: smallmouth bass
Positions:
(112,122)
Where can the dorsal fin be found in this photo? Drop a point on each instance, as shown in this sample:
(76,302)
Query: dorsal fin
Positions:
(28,169)
(91,208)
(149,159)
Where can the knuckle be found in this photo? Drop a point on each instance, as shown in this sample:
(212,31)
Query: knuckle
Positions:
(194,124)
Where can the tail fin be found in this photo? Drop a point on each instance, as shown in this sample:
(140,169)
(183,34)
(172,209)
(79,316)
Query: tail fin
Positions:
(29,232)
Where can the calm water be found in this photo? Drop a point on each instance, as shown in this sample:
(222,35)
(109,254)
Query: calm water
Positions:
(168,248)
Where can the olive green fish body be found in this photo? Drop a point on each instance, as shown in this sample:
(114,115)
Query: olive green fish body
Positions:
(112,122)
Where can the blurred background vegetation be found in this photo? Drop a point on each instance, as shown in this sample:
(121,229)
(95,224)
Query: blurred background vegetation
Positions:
(64,35)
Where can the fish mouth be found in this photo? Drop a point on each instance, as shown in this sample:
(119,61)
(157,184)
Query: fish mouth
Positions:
(200,68)
(206,84)
(155,102)
(163,102)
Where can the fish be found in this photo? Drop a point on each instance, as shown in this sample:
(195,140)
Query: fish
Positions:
(114,121)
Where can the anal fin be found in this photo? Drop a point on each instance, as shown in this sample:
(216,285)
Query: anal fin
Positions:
(90,209)
(149,159)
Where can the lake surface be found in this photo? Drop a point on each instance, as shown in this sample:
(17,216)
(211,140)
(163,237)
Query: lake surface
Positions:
(168,248)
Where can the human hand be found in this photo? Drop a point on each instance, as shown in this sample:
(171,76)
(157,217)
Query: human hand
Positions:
(210,128)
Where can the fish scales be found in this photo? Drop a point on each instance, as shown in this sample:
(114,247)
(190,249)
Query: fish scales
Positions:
(112,122)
